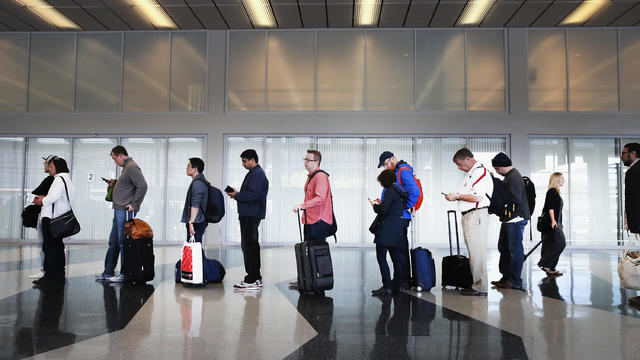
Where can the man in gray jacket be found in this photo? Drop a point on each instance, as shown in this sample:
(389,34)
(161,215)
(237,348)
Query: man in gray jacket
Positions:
(510,239)
(128,193)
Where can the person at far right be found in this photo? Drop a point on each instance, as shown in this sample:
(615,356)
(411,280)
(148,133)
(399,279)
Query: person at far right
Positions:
(553,240)
(629,156)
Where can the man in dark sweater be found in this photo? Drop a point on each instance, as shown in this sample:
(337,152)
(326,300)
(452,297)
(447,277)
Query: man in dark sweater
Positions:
(252,207)
(510,240)
(128,193)
(629,157)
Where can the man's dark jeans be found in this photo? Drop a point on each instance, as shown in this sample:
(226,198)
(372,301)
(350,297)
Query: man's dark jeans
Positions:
(511,252)
(316,231)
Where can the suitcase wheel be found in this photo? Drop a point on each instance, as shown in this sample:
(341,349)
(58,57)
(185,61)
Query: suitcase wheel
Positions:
(419,288)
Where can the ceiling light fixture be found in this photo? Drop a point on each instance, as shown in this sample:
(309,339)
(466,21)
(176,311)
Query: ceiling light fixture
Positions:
(367,12)
(260,13)
(584,12)
(475,11)
(49,14)
(153,12)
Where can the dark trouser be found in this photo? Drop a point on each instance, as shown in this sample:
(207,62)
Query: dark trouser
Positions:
(403,276)
(400,266)
(199,228)
(553,243)
(250,247)
(316,231)
(511,252)
(53,253)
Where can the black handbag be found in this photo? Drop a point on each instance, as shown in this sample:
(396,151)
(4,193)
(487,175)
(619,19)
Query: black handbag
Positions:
(30,216)
(544,223)
(66,224)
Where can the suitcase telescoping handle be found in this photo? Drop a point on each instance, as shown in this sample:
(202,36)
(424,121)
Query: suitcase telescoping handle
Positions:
(299,225)
(455,221)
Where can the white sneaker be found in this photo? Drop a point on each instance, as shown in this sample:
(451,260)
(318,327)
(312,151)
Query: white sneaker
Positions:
(249,286)
(37,275)
(117,279)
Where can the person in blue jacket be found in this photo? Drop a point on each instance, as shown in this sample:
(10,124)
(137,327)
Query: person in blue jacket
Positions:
(389,232)
(405,178)
(252,207)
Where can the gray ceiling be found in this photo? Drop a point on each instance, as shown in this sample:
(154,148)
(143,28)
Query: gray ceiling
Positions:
(101,15)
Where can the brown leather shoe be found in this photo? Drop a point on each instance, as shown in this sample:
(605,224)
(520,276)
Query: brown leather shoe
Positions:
(472,292)
(501,284)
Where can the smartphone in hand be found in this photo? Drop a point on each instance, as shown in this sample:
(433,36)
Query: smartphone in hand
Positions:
(105,180)
(228,189)
(443,193)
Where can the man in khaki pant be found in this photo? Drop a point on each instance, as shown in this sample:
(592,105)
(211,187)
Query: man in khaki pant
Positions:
(473,204)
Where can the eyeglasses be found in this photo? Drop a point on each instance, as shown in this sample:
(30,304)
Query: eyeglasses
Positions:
(386,162)
(309,160)
(624,152)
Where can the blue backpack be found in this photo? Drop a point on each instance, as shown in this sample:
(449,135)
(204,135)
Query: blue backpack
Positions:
(214,211)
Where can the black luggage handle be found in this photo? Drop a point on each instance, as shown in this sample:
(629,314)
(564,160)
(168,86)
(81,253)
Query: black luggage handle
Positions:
(455,219)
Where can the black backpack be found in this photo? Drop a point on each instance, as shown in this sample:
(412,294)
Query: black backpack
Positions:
(530,189)
(500,201)
(333,228)
(214,212)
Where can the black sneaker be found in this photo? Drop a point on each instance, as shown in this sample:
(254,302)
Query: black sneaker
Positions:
(381,292)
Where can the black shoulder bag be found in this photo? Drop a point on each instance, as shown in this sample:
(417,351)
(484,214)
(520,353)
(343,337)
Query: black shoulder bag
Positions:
(66,224)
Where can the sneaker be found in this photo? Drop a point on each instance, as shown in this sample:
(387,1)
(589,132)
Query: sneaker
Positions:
(293,285)
(117,279)
(37,275)
(248,286)
(381,292)
(102,277)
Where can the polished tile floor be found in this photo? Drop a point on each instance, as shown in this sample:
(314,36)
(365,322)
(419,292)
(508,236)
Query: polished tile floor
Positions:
(583,314)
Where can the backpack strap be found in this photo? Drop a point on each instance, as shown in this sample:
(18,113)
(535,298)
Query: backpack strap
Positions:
(480,178)
(400,173)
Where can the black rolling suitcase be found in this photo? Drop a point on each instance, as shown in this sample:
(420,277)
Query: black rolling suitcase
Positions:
(315,269)
(137,258)
(456,270)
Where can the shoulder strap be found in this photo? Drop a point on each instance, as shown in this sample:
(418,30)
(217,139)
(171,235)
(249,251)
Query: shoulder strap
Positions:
(483,175)
(330,193)
(399,173)
(66,191)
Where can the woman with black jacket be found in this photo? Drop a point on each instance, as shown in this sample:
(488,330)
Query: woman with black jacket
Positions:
(553,240)
(388,229)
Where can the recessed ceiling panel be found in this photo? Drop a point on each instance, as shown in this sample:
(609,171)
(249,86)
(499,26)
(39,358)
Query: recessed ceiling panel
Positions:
(555,13)
(609,13)
(287,14)
(447,13)
(107,17)
(182,16)
(500,13)
(314,14)
(528,13)
(13,22)
(28,16)
(392,13)
(82,18)
(629,18)
(420,13)
(340,13)
(234,14)
(207,13)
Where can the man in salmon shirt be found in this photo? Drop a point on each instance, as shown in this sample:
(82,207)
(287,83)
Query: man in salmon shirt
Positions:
(318,213)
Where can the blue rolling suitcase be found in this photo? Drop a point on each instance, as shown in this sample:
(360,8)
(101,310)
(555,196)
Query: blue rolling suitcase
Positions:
(423,269)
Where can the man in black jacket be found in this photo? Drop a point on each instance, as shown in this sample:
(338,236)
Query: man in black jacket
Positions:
(629,157)
(252,207)
(511,230)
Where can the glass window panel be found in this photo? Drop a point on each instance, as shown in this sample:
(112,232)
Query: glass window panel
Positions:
(146,71)
(437,173)
(345,161)
(291,71)
(180,150)
(593,191)
(37,148)
(247,64)
(287,176)
(389,67)
(99,72)
(13,72)
(188,71)
(486,70)
(593,70)
(52,72)
(547,157)
(11,202)
(92,156)
(629,75)
(440,70)
(340,70)
(151,155)
(484,149)
(235,174)
(547,66)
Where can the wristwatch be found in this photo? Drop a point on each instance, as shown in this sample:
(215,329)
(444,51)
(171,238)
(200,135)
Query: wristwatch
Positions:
(191,222)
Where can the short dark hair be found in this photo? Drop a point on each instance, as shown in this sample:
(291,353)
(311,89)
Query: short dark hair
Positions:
(387,178)
(60,165)
(316,155)
(462,154)
(197,163)
(119,150)
(631,147)
(249,154)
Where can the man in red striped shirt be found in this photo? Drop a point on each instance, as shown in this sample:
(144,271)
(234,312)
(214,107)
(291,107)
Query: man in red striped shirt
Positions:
(317,206)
